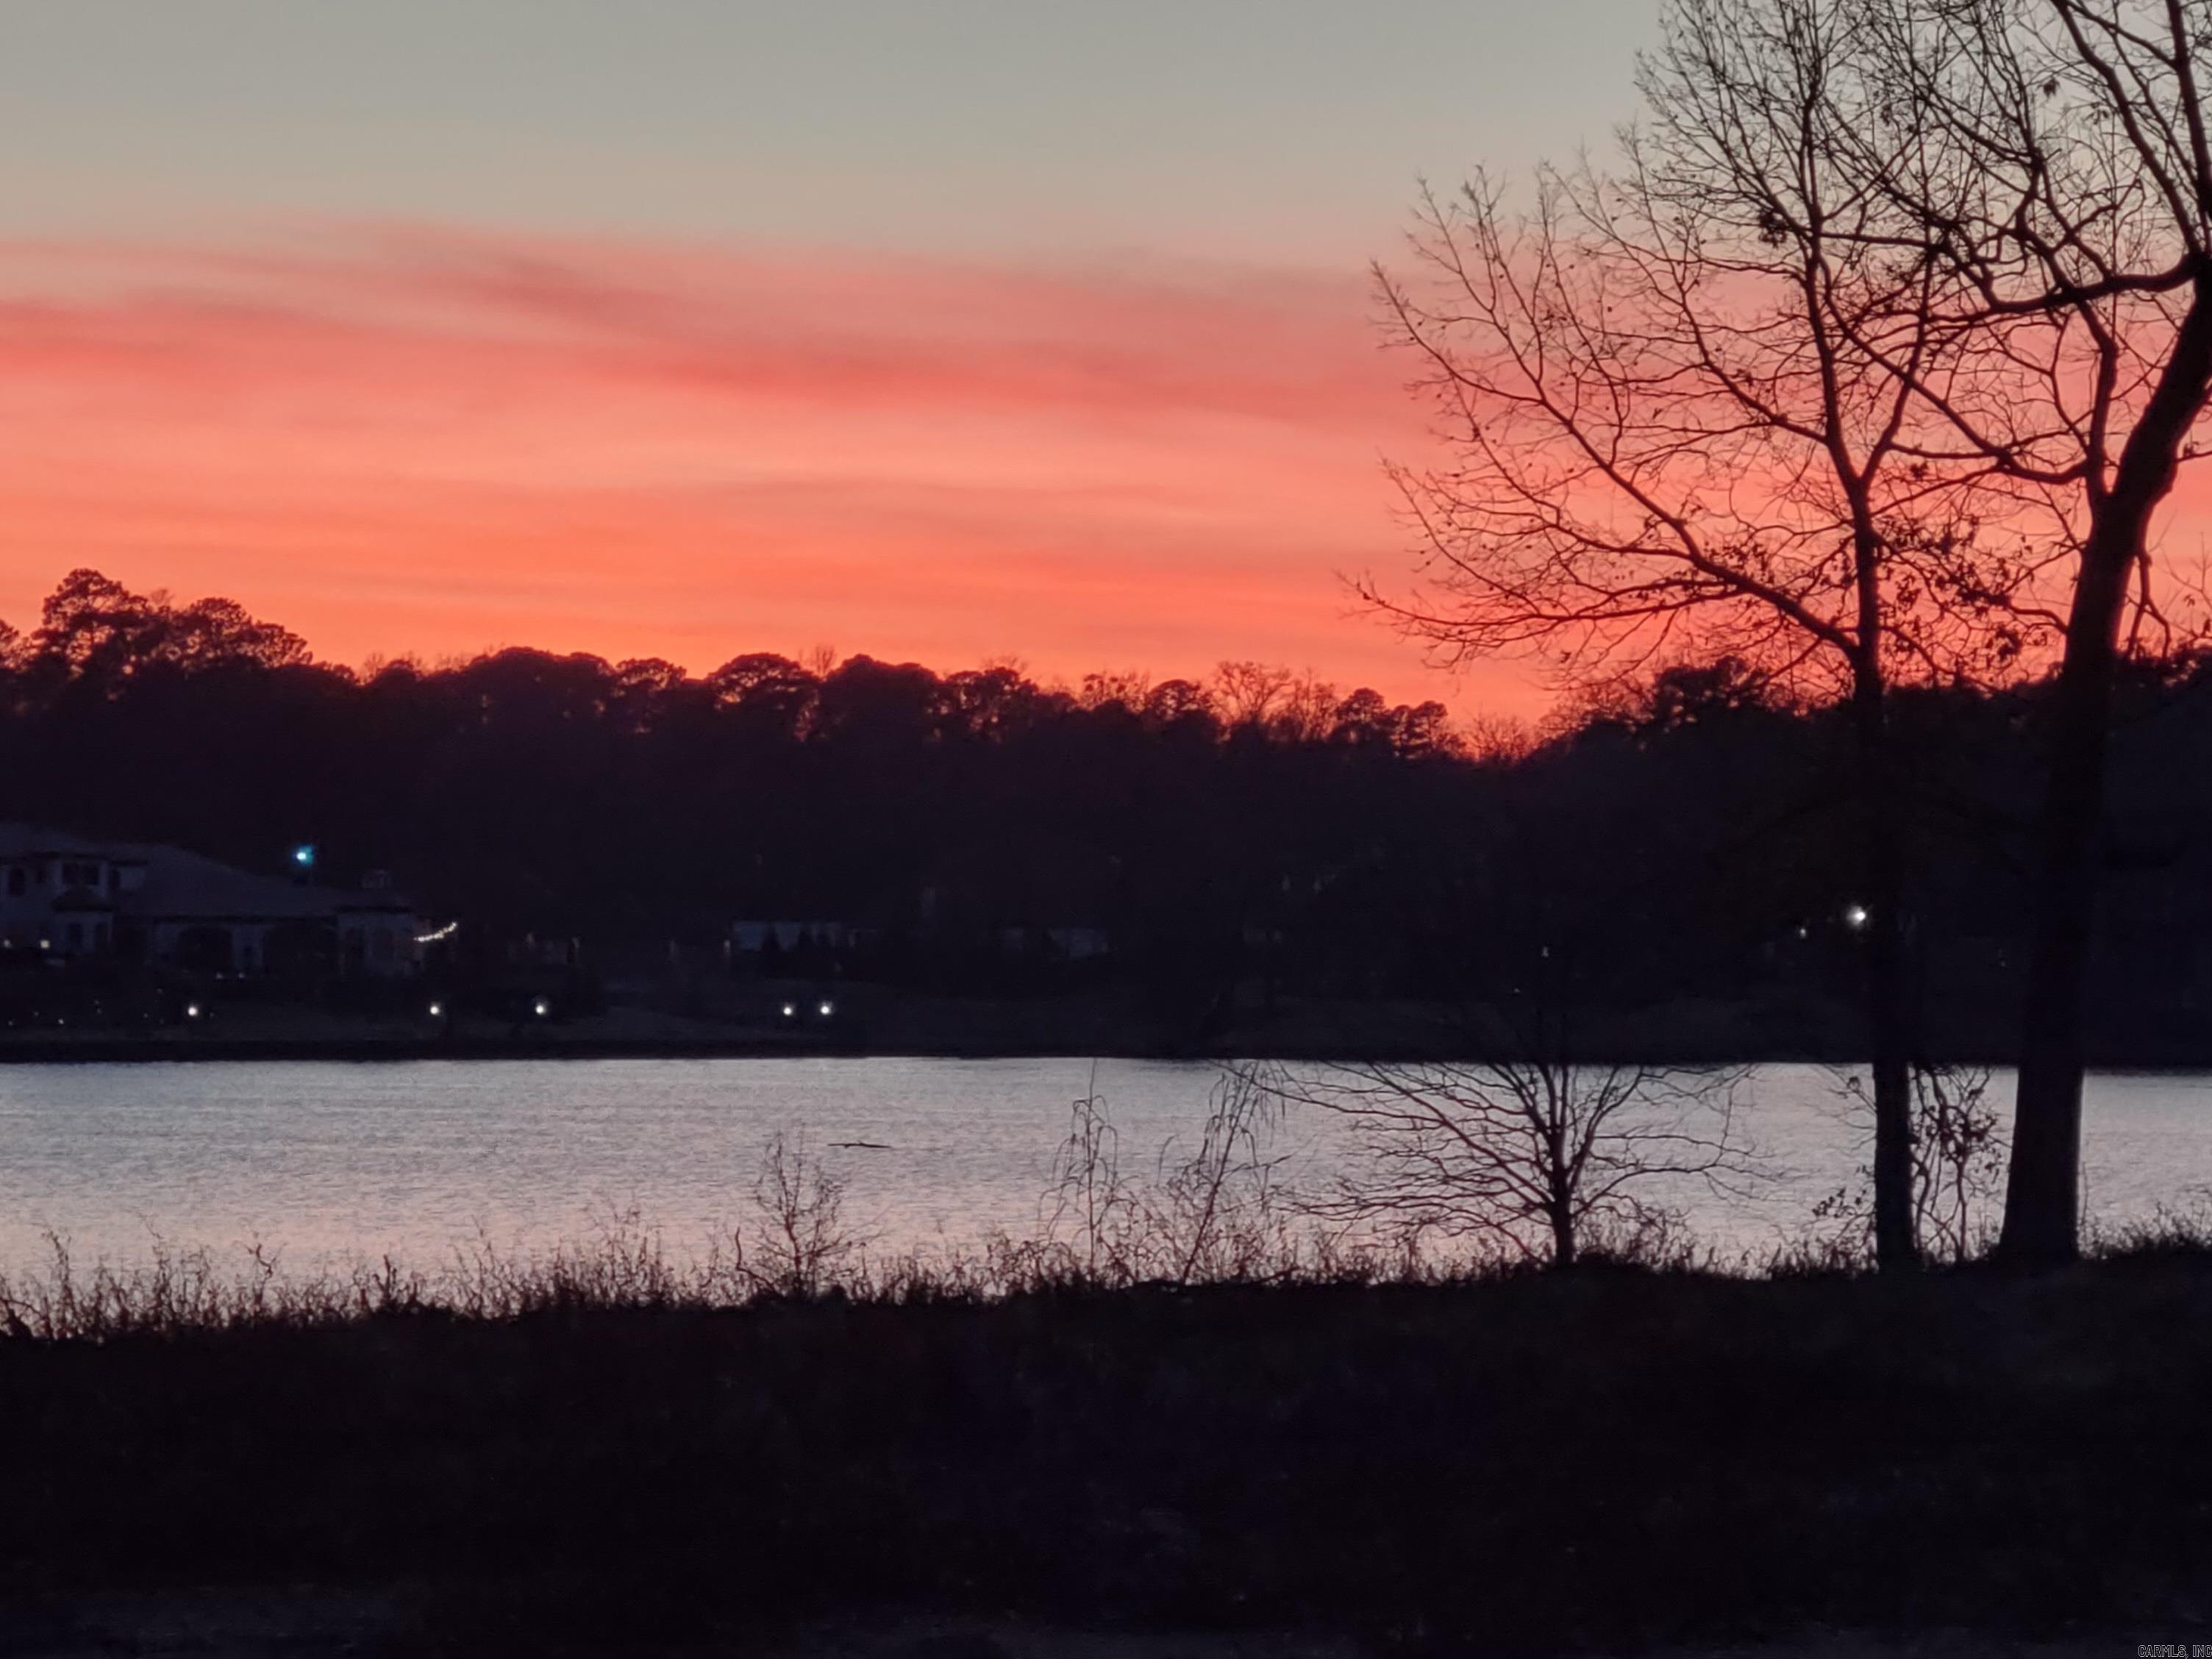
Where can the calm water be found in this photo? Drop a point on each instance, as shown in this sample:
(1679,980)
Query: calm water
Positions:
(329,1161)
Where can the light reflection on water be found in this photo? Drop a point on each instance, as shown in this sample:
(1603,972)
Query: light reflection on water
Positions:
(331,1162)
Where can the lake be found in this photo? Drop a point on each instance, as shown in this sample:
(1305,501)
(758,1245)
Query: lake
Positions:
(330,1162)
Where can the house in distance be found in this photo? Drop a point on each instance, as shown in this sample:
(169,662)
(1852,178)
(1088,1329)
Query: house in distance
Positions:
(68,898)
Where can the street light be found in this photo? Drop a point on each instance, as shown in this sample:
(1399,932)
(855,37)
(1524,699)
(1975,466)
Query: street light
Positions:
(1854,916)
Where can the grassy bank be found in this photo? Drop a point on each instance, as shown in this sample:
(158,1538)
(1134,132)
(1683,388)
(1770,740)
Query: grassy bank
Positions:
(1602,1458)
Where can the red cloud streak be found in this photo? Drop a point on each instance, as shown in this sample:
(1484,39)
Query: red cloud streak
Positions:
(408,440)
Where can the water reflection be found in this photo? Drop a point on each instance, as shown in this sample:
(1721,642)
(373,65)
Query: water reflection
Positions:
(326,1162)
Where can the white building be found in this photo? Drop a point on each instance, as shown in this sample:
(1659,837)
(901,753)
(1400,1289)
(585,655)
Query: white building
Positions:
(64,896)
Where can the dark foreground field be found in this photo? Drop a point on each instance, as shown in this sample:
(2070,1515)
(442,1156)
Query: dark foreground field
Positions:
(1604,1459)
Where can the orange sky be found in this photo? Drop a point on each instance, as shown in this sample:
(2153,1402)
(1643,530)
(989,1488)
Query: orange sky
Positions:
(398,437)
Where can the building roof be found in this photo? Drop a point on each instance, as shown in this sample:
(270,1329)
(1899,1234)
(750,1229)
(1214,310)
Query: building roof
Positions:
(184,886)
(180,884)
(23,841)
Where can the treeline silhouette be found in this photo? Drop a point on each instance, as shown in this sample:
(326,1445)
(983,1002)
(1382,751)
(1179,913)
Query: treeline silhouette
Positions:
(1685,837)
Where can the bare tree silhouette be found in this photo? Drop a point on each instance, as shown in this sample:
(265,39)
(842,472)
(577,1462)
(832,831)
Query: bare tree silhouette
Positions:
(798,1241)
(1959,1147)
(1679,398)
(1537,1155)
(2048,164)
(1214,1209)
(1537,1149)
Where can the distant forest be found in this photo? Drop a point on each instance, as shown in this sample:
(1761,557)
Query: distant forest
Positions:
(1686,838)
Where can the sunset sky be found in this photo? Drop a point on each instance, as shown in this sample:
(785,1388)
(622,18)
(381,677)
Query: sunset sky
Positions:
(948,330)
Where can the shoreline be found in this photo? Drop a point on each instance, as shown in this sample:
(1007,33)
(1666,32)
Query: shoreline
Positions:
(370,1050)
(883,1022)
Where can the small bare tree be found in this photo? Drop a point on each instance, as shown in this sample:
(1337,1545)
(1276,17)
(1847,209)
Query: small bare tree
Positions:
(797,1240)
(1539,1159)
(1536,1153)
(1957,1167)
(1213,1211)
(1087,1196)
(1219,1211)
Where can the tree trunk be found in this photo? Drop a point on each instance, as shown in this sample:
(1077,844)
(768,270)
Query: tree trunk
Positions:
(2043,1186)
(1563,1236)
(1896,1243)
(1887,1006)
